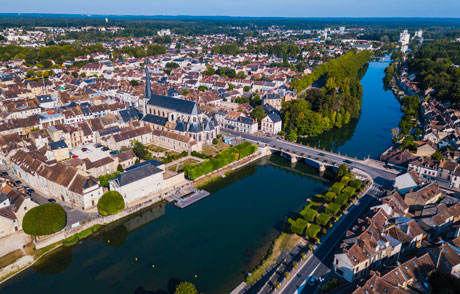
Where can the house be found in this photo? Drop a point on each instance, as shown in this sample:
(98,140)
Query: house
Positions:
(425,195)
(60,150)
(128,137)
(447,259)
(271,124)
(175,142)
(406,182)
(272,99)
(137,182)
(126,159)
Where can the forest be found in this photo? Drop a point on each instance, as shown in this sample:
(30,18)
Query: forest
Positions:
(333,104)
(436,65)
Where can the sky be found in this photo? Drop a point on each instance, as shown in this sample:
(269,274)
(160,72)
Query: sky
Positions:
(257,8)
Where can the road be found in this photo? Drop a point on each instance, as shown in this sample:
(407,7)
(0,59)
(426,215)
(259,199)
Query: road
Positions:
(380,174)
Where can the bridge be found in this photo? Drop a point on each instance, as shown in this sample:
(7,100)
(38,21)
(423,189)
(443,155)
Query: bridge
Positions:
(319,158)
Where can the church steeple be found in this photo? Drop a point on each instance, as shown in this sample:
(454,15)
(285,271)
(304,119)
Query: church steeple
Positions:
(148,87)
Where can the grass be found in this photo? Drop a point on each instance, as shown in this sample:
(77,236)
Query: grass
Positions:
(283,242)
(72,240)
(155,148)
(188,161)
(11,257)
(209,150)
(205,182)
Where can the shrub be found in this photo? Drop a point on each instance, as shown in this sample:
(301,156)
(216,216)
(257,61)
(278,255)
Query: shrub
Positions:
(120,168)
(341,199)
(318,198)
(104,179)
(110,203)
(214,141)
(313,230)
(345,180)
(309,214)
(298,226)
(186,288)
(337,188)
(333,208)
(330,285)
(350,176)
(329,196)
(199,155)
(355,184)
(45,219)
(349,191)
(323,219)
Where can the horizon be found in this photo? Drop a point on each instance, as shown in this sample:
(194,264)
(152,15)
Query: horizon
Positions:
(241,8)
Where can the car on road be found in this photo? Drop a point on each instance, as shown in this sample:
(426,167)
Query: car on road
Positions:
(321,154)
(312,280)
(348,161)
(52,200)
(105,149)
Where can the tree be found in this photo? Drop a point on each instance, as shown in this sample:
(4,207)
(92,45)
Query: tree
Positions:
(141,151)
(292,136)
(110,203)
(437,155)
(120,168)
(134,83)
(247,88)
(45,219)
(341,171)
(258,113)
(186,288)
(231,86)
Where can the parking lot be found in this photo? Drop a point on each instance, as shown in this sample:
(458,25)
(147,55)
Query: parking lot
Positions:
(93,153)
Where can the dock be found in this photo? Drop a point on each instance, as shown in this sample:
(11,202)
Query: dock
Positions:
(189,199)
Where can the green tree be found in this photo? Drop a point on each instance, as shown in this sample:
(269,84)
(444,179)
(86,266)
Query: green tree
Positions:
(258,113)
(341,171)
(437,155)
(120,168)
(186,288)
(141,151)
(110,203)
(134,83)
(45,219)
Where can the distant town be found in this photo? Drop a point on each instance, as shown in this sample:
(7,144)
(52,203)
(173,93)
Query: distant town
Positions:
(101,121)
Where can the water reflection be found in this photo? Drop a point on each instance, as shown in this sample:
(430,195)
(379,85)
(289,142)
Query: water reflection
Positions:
(55,263)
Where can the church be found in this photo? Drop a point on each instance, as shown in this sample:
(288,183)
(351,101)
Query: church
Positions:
(177,115)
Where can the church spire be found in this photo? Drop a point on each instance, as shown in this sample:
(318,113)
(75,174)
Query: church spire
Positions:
(148,88)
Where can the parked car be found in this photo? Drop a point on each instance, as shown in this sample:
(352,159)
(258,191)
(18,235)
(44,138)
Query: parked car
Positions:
(115,152)
(312,280)
(74,156)
(84,149)
(97,145)
(52,200)
(31,191)
(4,174)
(18,182)
(105,149)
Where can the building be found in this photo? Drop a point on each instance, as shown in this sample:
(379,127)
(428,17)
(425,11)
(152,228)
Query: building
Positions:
(271,124)
(177,116)
(138,181)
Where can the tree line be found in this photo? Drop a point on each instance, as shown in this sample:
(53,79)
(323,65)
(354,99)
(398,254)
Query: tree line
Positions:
(333,99)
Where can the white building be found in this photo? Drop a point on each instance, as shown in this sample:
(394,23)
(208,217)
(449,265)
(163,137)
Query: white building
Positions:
(271,124)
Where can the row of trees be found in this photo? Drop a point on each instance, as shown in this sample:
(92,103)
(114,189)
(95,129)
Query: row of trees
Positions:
(280,50)
(222,159)
(139,51)
(312,220)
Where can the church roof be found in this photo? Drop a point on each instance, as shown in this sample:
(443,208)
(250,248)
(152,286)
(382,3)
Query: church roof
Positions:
(179,105)
(155,119)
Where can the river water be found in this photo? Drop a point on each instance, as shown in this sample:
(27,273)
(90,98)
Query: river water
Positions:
(216,241)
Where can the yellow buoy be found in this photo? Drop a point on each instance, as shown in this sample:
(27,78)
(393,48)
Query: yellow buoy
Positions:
(136,258)
(153,265)
(196,276)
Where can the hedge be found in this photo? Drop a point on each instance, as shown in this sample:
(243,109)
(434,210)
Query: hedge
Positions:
(337,188)
(345,180)
(199,155)
(349,191)
(332,208)
(298,226)
(222,159)
(330,285)
(355,184)
(45,219)
(350,176)
(341,199)
(110,203)
(323,219)
(309,214)
(312,231)
(329,196)
(318,198)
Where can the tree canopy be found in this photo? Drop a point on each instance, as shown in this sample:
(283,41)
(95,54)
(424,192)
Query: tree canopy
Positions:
(45,219)
(110,203)
(186,288)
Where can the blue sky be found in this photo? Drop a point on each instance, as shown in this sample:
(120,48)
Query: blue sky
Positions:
(273,8)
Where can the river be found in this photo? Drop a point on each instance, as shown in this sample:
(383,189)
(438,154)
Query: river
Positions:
(216,241)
